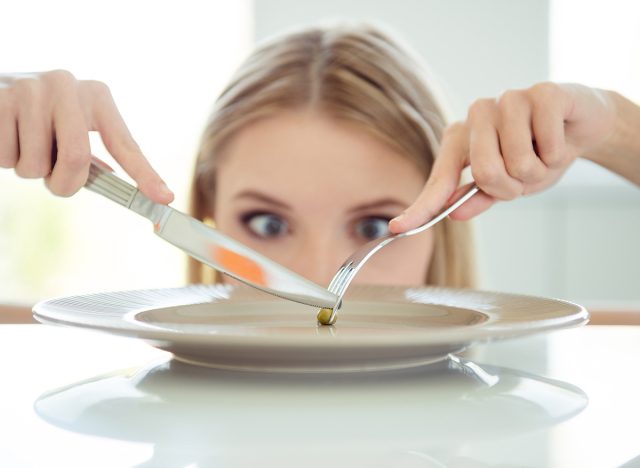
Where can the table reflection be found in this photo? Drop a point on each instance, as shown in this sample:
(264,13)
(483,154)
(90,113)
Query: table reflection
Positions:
(424,416)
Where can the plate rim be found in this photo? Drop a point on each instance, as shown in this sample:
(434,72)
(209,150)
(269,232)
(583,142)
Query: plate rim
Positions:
(44,311)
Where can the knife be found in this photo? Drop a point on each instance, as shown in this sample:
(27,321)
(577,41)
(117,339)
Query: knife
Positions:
(209,245)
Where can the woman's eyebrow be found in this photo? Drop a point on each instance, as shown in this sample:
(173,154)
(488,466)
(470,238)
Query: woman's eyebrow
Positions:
(255,195)
(381,203)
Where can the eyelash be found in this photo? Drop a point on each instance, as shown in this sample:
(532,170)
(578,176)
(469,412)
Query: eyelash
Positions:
(370,217)
(246,218)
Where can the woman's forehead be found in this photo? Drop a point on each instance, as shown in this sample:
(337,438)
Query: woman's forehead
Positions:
(301,152)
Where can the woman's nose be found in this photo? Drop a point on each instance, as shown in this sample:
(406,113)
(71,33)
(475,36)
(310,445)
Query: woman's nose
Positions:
(318,259)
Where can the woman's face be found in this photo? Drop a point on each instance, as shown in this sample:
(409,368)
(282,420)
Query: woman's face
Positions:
(307,190)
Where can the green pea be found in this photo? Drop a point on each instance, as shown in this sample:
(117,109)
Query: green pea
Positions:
(324,317)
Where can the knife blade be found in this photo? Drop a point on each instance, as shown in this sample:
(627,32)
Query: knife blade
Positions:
(209,245)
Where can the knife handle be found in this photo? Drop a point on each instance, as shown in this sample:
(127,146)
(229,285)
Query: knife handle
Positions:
(103,181)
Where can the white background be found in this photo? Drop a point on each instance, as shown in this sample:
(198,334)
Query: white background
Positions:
(165,63)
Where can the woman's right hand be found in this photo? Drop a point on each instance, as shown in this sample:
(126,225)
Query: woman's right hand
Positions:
(47,117)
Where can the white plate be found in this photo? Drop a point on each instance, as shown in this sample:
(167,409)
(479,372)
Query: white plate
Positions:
(378,327)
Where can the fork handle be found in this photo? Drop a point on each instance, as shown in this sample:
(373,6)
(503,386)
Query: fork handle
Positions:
(444,213)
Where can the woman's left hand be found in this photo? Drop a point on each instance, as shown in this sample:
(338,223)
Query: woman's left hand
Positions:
(517,144)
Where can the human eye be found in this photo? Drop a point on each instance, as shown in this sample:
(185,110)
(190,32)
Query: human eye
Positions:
(372,227)
(265,225)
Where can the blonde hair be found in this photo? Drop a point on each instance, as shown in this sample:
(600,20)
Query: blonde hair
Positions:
(355,73)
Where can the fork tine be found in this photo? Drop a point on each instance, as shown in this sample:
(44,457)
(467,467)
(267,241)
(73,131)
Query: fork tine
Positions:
(338,286)
(336,279)
(343,277)
(338,282)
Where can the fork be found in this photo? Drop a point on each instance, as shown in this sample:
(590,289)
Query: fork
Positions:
(352,265)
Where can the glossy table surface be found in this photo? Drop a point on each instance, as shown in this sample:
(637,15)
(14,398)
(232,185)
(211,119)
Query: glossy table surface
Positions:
(77,398)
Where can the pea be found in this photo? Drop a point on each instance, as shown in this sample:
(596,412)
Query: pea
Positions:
(324,316)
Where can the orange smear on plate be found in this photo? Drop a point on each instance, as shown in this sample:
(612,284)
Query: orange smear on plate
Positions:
(239,265)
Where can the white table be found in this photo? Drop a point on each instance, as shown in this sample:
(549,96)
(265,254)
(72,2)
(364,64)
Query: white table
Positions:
(75,398)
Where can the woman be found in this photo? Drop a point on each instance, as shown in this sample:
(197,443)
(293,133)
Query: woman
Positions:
(323,136)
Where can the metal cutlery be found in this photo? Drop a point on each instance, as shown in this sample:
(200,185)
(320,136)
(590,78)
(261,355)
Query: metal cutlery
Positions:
(209,245)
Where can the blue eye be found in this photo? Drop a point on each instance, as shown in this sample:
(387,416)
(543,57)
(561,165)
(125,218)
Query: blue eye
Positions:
(265,225)
(372,228)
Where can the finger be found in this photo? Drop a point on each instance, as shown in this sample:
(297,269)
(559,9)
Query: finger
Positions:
(442,182)
(34,140)
(8,137)
(477,204)
(119,142)
(548,131)
(487,165)
(101,163)
(73,151)
(514,132)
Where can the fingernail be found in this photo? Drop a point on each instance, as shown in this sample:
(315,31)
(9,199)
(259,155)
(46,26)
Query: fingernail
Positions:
(395,223)
(399,217)
(165,190)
